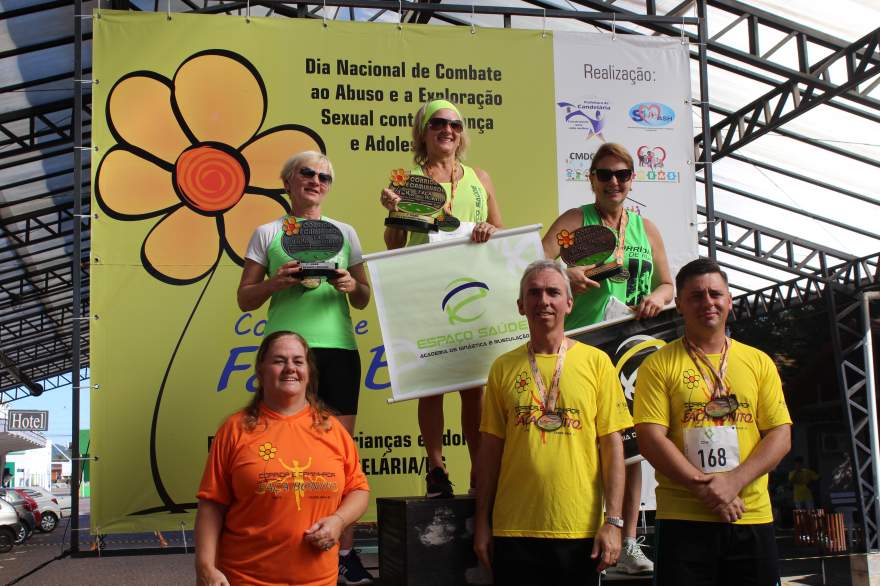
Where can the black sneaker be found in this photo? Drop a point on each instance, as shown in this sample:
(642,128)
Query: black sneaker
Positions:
(439,486)
(352,571)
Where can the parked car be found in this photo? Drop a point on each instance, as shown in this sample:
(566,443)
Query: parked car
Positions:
(47,505)
(25,513)
(10,526)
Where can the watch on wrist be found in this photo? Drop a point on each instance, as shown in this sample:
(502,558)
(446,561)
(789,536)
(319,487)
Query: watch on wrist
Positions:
(615,521)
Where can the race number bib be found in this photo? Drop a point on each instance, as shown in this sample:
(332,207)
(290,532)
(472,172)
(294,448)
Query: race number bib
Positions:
(712,449)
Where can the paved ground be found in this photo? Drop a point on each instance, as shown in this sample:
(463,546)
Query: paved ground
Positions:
(39,562)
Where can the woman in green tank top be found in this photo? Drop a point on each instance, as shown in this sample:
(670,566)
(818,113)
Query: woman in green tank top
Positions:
(646,291)
(439,142)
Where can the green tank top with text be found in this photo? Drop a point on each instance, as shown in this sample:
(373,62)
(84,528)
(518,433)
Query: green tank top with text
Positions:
(589,307)
(470,203)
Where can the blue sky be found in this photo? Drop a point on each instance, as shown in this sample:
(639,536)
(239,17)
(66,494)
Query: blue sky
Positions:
(58,403)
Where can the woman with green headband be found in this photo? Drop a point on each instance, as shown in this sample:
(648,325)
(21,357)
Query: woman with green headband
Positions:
(439,142)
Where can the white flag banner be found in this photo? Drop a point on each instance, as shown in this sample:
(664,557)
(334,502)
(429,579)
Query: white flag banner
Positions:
(635,91)
(448,309)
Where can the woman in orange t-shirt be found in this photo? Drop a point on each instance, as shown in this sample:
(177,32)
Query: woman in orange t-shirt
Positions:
(282,481)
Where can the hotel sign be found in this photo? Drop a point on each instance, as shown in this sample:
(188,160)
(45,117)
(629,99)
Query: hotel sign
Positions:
(27,421)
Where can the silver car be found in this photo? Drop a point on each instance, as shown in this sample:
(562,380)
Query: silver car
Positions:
(48,505)
(10,526)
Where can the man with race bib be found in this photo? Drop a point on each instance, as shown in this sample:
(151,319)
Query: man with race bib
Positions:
(711,418)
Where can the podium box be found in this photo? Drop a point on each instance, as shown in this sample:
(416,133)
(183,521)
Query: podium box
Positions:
(428,542)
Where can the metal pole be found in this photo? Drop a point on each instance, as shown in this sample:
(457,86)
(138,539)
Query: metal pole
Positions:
(76,274)
(702,37)
(868,350)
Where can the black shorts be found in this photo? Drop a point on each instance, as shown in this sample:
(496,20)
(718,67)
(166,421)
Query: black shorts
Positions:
(697,553)
(535,561)
(339,379)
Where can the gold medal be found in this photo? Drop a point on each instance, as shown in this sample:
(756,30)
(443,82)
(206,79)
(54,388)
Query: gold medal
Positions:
(550,421)
(311,282)
(717,408)
(621,277)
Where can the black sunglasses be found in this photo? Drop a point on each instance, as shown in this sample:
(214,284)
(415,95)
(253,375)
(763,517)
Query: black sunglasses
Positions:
(441,123)
(308,173)
(623,175)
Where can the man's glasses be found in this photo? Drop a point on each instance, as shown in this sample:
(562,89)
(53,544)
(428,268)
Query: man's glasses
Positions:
(308,173)
(622,175)
(441,123)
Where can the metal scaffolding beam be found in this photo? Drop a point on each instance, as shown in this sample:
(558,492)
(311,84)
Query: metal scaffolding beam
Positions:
(769,247)
(792,98)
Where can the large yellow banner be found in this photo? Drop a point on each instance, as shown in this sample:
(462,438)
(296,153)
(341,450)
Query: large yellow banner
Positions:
(175,98)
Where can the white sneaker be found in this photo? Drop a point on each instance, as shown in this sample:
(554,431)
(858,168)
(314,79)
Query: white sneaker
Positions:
(632,560)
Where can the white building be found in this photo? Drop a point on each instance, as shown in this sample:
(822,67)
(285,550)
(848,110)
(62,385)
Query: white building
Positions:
(26,454)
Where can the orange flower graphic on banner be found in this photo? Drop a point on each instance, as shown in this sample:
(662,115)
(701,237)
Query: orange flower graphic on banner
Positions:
(192,151)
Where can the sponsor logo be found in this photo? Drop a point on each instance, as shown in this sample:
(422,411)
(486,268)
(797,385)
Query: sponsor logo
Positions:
(630,354)
(652,165)
(588,115)
(461,301)
(652,114)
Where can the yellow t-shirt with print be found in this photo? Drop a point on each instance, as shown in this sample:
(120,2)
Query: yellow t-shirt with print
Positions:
(671,392)
(550,483)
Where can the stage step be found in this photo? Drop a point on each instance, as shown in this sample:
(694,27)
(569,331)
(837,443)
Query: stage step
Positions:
(429,542)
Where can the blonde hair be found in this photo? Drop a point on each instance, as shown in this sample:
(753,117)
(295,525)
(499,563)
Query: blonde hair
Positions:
(320,413)
(612,149)
(300,160)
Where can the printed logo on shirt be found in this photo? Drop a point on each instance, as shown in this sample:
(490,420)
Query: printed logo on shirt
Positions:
(691,378)
(267,452)
(297,479)
(522,381)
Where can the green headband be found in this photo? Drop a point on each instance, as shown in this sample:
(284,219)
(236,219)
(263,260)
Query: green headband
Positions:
(432,107)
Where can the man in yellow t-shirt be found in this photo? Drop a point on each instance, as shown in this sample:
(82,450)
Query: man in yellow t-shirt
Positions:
(550,443)
(711,418)
(800,479)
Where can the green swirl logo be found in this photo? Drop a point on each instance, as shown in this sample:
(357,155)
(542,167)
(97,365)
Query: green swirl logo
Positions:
(458,303)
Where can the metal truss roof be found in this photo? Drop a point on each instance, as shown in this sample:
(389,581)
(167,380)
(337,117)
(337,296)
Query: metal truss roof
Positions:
(794,112)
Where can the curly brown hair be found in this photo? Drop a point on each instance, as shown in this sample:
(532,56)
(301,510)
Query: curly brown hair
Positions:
(320,413)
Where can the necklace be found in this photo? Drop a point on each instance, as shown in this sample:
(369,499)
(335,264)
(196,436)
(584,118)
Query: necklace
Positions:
(623,275)
(452,184)
(721,402)
(550,419)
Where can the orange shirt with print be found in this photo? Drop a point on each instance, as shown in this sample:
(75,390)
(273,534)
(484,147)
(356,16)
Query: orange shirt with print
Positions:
(276,481)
